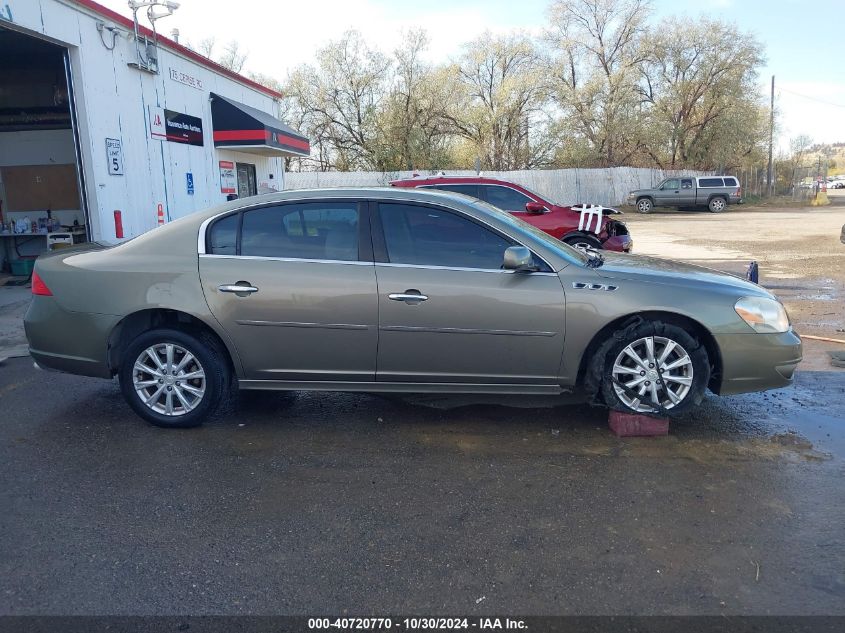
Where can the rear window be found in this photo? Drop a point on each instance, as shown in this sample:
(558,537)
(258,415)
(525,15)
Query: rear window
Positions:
(710,182)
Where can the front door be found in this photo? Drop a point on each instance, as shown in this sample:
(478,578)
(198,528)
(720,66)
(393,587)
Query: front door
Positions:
(448,313)
(247,184)
(294,286)
(669,193)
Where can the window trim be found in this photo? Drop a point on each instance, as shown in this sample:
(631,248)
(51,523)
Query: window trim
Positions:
(365,244)
(380,254)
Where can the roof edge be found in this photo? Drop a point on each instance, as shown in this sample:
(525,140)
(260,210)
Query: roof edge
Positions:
(174,46)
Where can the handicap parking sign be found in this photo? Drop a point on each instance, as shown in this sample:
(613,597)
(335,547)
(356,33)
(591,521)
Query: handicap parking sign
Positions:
(189,177)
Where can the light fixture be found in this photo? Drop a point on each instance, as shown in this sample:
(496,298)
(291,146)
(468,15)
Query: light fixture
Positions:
(156,9)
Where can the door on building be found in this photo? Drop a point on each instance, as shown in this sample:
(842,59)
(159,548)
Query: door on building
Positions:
(247,185)
(40,179)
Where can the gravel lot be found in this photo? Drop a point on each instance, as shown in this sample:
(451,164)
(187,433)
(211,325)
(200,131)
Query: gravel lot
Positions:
(333,503)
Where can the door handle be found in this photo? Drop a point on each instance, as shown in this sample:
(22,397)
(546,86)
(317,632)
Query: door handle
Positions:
(409,296)
(238,288)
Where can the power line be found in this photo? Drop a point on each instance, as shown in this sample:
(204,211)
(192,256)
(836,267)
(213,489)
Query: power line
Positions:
(798,94)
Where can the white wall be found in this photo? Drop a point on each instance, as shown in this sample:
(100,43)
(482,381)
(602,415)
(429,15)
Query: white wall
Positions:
(113,99)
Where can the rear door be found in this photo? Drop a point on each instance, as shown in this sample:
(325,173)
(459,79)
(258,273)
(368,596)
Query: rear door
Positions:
(687,192)
(448,313)
(294,286)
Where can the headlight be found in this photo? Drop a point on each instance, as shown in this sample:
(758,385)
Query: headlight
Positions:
(762,314)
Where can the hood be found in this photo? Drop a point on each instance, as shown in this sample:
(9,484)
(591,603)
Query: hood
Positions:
(670,272)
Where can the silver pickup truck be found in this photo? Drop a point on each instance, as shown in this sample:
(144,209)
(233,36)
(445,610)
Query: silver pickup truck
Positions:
(713,192)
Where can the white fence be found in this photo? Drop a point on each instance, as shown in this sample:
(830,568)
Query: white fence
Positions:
(568,186)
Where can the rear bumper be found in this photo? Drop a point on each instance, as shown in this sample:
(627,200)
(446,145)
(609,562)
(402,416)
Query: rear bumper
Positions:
(73,342)
(619,243)
(758,362)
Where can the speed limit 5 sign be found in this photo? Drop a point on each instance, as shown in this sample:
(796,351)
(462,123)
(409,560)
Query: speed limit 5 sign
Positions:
(114,156)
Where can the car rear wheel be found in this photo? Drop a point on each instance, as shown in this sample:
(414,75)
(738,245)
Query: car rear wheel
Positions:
(584,242)
(644,205)
(654,367)
(717,205)
(173,379)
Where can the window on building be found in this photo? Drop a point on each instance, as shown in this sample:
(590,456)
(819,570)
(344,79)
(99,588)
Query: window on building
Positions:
(429,236)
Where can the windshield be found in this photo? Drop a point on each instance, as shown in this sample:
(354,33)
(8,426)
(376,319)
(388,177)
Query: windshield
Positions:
(565,250)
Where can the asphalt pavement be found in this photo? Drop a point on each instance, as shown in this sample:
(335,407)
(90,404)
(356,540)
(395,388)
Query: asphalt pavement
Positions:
(314,503)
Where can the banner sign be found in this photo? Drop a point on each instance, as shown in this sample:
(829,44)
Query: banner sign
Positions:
(228,181)
(167,125)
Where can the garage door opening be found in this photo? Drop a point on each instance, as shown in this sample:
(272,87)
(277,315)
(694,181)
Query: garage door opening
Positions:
(41,191)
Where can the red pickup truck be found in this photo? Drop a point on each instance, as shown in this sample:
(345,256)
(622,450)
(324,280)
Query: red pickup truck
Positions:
(584,226)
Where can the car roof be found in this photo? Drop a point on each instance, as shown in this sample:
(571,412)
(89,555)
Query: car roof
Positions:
(474,180)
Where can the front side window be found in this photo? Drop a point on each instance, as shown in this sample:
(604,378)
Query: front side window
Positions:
(430,236)
(673,183)
(505,198)
(309,230)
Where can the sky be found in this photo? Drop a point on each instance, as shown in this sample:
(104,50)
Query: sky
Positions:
(803,41)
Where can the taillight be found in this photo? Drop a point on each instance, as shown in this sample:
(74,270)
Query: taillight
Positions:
(739,192)
(39,287)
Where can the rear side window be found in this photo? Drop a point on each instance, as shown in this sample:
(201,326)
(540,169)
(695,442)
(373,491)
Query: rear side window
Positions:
(223,236)
(466,189)
(430,236)
(731,182)
(312,230)
(505,197)
(710,182)
(686,183)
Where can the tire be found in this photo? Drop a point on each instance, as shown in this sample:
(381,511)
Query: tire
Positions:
(200,395)
(583,242)
(645,205)
(717,204)
(618,369)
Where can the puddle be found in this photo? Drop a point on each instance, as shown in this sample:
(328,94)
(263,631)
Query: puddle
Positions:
(826,433)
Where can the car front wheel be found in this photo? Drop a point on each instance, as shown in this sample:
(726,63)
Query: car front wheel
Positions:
(654,367)
(583,242)
(644,205)
(173,379)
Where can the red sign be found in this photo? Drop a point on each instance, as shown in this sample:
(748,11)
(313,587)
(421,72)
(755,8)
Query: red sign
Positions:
(228,182)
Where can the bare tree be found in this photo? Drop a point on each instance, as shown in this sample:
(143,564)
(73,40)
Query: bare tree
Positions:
(497,87)
(233,58)
(596,54)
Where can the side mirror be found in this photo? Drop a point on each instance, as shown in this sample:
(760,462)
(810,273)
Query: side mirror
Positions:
(519,259)
(535,207)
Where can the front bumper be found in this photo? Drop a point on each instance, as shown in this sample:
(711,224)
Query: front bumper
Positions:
(619,243)
(757,362)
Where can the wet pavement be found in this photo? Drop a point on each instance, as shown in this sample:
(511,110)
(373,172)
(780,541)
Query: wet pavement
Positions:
(315,503)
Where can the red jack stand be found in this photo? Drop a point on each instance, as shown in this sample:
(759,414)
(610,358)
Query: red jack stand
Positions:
(637,424)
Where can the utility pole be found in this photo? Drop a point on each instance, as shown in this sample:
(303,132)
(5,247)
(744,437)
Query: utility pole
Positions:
(769,181)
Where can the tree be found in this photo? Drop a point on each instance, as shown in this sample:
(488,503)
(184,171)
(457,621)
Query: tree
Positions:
(232,58)
(496,88)
(700,84)
(594,68)
(339,101)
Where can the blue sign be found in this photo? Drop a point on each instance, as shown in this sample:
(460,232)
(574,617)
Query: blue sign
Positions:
(189,178)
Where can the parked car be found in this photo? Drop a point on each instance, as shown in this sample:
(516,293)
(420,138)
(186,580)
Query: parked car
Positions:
(577,226)
(836,184)
(395,290)
(713,192)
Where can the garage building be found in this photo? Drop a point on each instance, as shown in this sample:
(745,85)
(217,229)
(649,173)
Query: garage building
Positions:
(108,129)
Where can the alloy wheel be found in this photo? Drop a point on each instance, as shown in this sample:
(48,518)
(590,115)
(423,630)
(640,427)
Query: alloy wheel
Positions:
(169,379)
(652,372)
